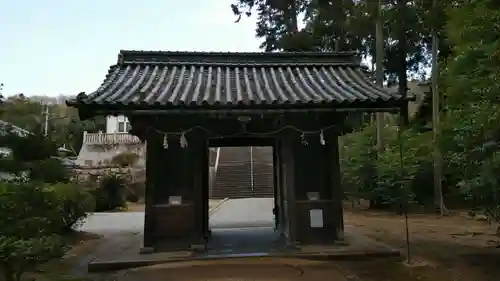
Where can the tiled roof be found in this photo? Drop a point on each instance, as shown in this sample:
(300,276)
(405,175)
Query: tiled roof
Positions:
(198,79)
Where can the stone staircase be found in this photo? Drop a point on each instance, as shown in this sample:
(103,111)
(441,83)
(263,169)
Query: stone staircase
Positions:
(233,176)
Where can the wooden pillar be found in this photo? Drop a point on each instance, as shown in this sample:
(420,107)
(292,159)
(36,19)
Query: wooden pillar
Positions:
(199,165)
(206,190)
(276,189)
(317,185)
(176,194)
(335,181)
(288,188)
(152,146)
(282,215)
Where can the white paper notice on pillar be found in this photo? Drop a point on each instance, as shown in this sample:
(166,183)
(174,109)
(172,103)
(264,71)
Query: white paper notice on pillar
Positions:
(316,218)
(175,200)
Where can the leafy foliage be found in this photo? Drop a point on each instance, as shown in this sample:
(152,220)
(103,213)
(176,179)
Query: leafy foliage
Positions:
(50,170)
(135,191)
(65,127)
(20,255)
(125,159)
(472,77)
(34,155)
(110,194)
(28,229)
(37,209)
(73,204)
(35,218)
(388,179)
(349,25)
(469,136)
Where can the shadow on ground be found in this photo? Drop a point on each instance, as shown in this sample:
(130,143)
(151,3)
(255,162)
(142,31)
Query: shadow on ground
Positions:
(241,270)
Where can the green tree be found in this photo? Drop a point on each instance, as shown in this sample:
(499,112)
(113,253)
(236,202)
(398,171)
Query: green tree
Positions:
(64,125)
(20,111)
(31,154)
(27,229)
(470,134)
(34,214)
(277,23)
(349,25)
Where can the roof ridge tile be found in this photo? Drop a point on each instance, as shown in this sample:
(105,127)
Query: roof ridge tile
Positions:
(133,56)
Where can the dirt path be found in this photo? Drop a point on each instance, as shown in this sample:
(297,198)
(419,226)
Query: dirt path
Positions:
(442,248)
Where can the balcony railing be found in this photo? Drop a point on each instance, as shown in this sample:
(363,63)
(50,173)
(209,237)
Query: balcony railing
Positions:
(103,138)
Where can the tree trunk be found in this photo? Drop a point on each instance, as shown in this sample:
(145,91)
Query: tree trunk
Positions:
(438,189)
(402,76)
(379,60)
(293,26)
(340,42)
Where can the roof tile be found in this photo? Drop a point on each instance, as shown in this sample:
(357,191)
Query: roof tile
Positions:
(197,79)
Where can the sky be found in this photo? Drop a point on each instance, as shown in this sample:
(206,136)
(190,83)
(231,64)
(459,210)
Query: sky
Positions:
(63,47)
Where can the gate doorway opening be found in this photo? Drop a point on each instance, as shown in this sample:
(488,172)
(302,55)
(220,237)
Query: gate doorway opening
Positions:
(243,197)
(239,172)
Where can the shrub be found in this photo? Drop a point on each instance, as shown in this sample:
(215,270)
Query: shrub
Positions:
(28,228)
(49,170)
(381,177)
(135,191)
(20,255)
(125,159)
(131,196)
(73,204)
(110,194)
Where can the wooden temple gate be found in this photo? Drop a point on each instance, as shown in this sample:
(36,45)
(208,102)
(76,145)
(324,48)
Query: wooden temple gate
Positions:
(180,102)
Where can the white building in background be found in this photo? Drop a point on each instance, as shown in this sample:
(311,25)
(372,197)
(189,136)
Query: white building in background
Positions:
(98,149)
(117,124)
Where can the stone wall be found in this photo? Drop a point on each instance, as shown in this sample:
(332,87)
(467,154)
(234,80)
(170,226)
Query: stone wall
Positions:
(95,155)
(98,149)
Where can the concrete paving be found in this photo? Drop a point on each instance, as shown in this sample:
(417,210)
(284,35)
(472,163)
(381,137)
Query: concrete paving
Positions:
(235,224)
(123,231)
(242,213)
(110,223)
(122,222)
(243,226)
(244,241)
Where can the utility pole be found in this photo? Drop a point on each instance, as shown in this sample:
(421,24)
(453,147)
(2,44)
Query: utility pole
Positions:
(438,190)
(379,71)
(2,99)
(46,119)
